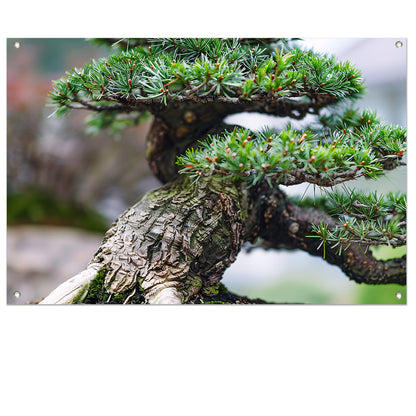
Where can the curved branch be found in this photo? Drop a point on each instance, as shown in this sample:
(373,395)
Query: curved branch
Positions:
(299,176)
(286,225)
(261,102)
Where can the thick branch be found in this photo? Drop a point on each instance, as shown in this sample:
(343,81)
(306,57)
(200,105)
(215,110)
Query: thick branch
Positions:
(288,226)
(261,102)
(176,129)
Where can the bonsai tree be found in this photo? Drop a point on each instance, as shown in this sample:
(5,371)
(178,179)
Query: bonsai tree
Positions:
(222,182)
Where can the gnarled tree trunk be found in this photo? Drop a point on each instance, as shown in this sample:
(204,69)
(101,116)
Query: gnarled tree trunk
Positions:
(175,243)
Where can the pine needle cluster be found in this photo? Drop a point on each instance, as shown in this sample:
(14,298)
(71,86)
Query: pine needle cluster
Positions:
(163,70)
(368,220)
(291,157)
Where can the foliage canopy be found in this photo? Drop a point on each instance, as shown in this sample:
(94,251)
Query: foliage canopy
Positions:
(147,76)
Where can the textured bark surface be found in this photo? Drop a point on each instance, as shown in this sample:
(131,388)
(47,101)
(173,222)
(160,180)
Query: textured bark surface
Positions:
(175,242)
(178,128)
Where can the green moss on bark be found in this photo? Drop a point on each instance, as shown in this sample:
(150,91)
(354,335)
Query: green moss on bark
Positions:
(223,297)
(97,293)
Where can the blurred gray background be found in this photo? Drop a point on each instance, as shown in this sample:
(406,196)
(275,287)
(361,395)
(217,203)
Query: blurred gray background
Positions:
(65,187)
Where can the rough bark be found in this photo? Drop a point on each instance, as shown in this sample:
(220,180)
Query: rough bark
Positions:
(176,129)
(174,243)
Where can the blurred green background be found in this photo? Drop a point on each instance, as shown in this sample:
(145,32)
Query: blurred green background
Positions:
(65,187)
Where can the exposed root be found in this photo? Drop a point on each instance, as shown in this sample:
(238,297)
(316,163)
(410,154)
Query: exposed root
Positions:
(73,290)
